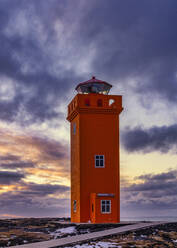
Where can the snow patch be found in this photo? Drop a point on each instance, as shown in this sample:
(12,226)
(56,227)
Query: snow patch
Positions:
(70,229)
(67,230)
(100,244)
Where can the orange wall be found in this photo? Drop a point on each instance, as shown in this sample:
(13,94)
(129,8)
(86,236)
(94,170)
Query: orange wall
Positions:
(97,133)
(75,170)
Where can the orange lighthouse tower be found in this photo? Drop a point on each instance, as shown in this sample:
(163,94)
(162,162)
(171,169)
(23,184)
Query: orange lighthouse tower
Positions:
(95,183)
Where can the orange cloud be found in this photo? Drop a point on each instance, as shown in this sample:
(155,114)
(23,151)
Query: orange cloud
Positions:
(35,156)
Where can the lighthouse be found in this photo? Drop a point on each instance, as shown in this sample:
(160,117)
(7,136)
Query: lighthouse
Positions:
(95,178)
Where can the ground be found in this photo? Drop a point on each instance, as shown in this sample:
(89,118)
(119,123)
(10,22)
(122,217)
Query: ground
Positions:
(162,236)
(21,231)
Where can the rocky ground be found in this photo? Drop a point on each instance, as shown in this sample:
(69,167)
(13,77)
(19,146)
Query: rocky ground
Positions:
(21,231)
(162,236)
(29,230)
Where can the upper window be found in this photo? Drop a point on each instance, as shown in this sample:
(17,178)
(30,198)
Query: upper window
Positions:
(99,161)
(106,206)
(99,103)
(87,102)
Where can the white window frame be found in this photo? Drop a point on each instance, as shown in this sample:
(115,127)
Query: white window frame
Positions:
(105,206)
(99,159)
(74,206)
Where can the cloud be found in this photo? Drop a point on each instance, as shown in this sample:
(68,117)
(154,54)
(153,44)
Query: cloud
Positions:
(130,43)
(17,165)
(30,207)
(36,183)
(163,181)
(49,149)
(9,157)
(171,175)
(161,139)
(11,161)
(45,56)
(45,189)
(40,159)
(29,58)
(43,148)
(8,177)
(37,200)
(152,192)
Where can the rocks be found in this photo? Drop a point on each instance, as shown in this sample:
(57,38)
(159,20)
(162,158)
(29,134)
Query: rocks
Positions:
(21,231)
(160,236)
(29,230)
(86,228)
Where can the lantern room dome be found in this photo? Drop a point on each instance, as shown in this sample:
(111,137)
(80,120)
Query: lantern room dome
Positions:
(94,85)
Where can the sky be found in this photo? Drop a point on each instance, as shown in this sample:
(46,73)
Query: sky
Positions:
(46,49)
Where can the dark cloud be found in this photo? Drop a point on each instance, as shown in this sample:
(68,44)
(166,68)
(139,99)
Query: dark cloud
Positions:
(29,206)
(8,177)
(162,182)
(155,192)
(36,155)
(50,149)
(135,40)
(159,177)
(11,161)
(161,139)
(35,200)
(9,157)
(129,39)
(25,61)
(45,189)
(17,165)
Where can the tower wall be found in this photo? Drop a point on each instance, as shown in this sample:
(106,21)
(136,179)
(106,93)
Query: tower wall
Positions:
(94,131)
(75,168)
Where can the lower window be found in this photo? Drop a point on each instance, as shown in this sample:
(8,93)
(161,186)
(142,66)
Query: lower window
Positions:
(74,205)
(106,206)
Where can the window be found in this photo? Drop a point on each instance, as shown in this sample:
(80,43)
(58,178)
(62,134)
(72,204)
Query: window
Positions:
(105,206)
(87,102)
(74,205)
(74,128)
(99,161)
(99,103)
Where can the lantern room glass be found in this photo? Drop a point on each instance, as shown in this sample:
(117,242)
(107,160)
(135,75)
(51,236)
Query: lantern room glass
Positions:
(99,88)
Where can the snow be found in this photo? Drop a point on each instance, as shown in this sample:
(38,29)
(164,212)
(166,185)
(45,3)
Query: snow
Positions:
(97,245)
(107,244)
(143,236)
(67,230)
(70,229)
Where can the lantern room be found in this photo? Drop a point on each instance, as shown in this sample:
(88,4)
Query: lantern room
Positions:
(94,85)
